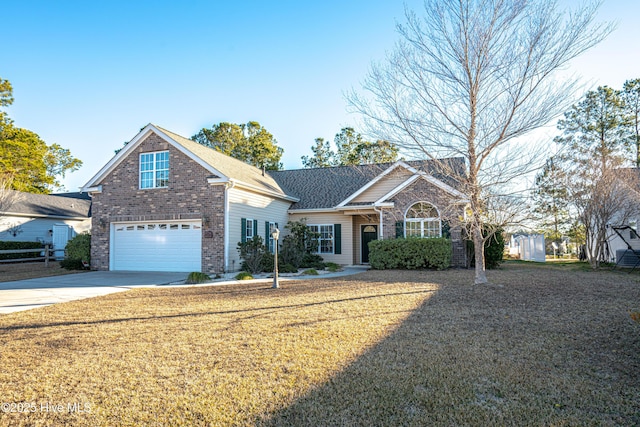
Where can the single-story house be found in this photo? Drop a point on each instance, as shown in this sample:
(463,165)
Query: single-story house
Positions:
(46,218)
(165,202)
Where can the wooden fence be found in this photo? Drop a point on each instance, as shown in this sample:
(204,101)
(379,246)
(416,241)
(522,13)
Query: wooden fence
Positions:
(46,254)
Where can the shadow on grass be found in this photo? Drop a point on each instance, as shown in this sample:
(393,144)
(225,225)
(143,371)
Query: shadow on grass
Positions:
(486,356)
(266,308)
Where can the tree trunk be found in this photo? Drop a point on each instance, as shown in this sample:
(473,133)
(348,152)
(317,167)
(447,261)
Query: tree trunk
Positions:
(478,243)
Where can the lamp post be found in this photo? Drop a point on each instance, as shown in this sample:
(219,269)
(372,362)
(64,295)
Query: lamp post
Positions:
(275,233)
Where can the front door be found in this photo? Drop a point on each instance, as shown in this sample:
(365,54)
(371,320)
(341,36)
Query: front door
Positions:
(369,233)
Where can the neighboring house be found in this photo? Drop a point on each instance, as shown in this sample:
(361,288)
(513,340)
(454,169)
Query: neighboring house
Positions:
(46,218)
(622,230)
(165,202)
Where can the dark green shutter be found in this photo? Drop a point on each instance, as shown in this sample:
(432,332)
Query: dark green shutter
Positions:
(337,239)
(255,227)
(446,229)
(243,230)
(399,229)
(267,233)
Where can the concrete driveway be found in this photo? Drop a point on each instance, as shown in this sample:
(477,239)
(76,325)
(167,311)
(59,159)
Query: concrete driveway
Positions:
(32,293)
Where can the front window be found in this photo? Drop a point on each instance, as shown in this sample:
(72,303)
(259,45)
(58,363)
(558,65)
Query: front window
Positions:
(154,170)
(249,229)
(272,226)
(423,220)
(325,238)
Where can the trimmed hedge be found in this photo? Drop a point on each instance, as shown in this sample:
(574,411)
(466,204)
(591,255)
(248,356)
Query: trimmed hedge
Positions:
(410,254)
(7,246)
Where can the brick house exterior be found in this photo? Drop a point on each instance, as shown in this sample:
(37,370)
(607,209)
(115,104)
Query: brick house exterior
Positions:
(167,203)
(451,210)
(188,196)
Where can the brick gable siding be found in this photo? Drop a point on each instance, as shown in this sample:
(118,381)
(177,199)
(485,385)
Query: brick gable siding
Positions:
(188,196)
(423,191)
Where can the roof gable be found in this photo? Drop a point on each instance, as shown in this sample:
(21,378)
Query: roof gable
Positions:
(223,168)
(328,188)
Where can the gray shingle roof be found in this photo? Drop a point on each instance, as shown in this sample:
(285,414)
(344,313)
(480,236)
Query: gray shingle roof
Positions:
(323,188)
(228,166)
(49,205)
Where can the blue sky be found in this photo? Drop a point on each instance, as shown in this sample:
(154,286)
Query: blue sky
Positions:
(89,74)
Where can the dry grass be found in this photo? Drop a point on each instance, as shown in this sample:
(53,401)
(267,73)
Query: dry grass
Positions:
(542,346)
(31,270)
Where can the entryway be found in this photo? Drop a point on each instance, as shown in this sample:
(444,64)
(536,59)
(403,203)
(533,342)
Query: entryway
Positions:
(368,232)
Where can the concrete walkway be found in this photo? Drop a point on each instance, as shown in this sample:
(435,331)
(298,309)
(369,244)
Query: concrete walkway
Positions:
(27,294)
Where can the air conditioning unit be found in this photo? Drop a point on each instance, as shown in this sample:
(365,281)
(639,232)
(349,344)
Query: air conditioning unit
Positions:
(627,258)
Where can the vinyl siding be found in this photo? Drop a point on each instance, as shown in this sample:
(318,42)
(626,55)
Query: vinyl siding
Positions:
(346,257)
(384,186)
(247,204)
(37,229)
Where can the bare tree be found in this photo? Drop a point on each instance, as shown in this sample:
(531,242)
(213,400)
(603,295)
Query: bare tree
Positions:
(603,198)
(470,78)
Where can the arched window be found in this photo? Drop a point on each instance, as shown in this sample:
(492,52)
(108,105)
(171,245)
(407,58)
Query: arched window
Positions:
(422,220)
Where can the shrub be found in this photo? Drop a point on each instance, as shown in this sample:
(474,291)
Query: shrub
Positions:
(252,253)
(411,253)
(310,272)
(267,262)
(290,253)
(312,261)
(197,277)
(244,275)
(297,247)
(77,252)
(72,264)
(6,246)
(287,268)
(332,267)
(493,248)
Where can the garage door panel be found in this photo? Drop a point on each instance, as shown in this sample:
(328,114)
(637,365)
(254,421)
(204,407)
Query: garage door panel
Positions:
(157,246)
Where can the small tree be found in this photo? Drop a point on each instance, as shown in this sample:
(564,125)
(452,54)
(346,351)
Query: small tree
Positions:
(252,253)
(551,201)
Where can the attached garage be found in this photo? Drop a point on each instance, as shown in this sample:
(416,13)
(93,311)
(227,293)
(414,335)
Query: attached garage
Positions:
(156,246)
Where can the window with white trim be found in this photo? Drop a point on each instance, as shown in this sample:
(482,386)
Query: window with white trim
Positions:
(272,226)
(249,231)
(422,220)
(325,238)
(154,170)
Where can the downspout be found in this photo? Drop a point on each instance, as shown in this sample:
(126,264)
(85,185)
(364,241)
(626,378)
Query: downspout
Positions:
(227,186)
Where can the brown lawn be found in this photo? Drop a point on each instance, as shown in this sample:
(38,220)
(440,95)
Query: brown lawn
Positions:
(31,270)
(543,345)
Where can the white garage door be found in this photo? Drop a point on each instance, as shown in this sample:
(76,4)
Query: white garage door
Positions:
(157,246)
